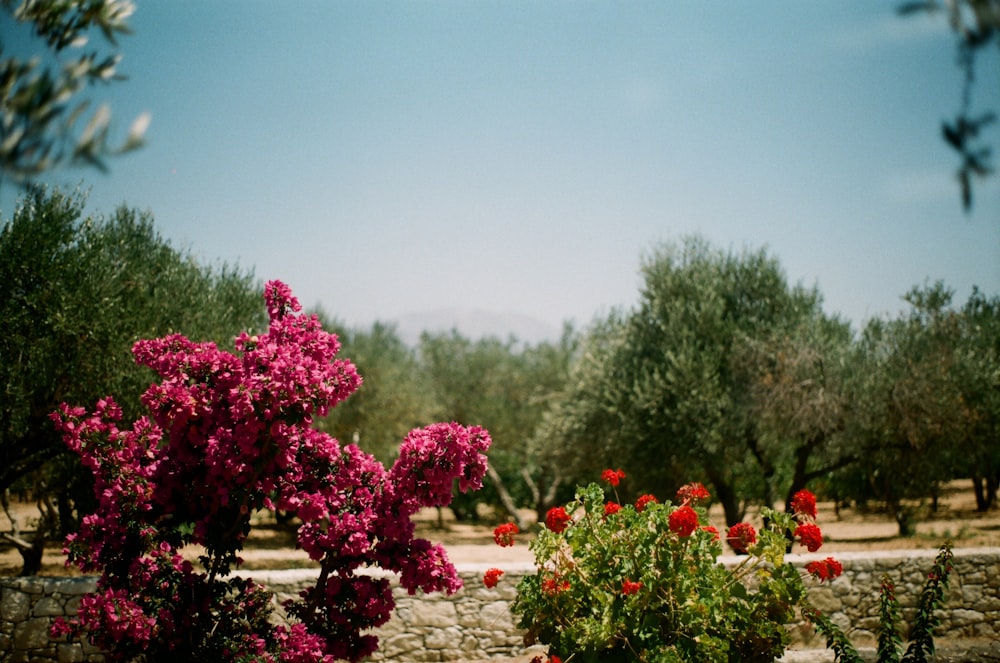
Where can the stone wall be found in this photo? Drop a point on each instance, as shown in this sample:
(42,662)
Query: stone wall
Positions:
(476,623)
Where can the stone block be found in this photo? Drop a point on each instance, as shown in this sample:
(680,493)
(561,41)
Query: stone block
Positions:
(496,617)
(443,638)
(32,634)
(440,614)
(401,644)
(14,605)
(69,653)
(48,607)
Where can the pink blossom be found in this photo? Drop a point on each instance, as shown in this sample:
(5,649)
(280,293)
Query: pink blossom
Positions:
(227,435)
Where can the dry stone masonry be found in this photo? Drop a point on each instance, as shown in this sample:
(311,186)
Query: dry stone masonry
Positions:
(476,622)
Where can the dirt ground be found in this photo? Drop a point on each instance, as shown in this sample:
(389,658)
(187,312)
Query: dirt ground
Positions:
(273,547)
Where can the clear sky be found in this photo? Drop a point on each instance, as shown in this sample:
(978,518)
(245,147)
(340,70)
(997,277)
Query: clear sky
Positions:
(387,158)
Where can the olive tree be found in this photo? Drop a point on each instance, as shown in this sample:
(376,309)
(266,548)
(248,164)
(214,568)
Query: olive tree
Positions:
(393,398)
(664,390)
(75,294)
(45,119)
(506,387)
(912,414)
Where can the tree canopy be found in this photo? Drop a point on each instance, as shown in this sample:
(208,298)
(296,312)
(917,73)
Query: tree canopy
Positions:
(75,294)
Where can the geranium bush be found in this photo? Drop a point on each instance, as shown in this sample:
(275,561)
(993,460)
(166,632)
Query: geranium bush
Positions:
(623,582)
(227,436)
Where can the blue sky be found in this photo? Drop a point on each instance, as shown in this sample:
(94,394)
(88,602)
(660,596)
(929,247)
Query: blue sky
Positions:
(387,158)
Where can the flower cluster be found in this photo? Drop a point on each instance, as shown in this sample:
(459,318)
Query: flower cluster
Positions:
(826,569)
(741,537)
(683,521)
(642,581)
(231,434)
(504,534)
(804,511)
(557,519)
(644,501)
(492,577)
(612,477)
(804,504)
(692,493)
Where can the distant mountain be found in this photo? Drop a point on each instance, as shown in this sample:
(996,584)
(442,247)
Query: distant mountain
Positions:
(475,324)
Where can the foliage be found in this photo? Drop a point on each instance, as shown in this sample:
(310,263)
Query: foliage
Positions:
(910,380)
(670,388)
(800,402)
(976,25)
(41,125)
(921,645)
(229,435)
(506,387)
(623,582)
(393,399)
(75,294)
(978,361)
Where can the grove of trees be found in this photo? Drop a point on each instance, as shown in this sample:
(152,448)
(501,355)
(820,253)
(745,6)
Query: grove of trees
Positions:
(726,374)
(723,373)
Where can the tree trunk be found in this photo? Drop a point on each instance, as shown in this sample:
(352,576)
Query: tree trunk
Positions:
(505,498)
(905,519)
(542,502)
(992,484)
(979,487)
(726,495)
(31,552)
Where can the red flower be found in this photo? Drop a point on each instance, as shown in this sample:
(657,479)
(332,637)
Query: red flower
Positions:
(810,536)
(504,534)
(692,493)
(612,476)
(640,504)
(557,519)
(713,531)
(741,536)
(826,569)
(611,508)
(554,585)
(683,521)
(804,504)
(492,577)
(629,587)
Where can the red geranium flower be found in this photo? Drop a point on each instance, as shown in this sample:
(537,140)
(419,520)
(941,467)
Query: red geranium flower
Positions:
(683,521)
(555,584)
(804,504)
(611,508)
(504,534)
(741,536)
(612,476)
(826,569)
(492,577)
(557,519)
(810,536)
(713,531)
(643,501)
(692,493)
(629,587)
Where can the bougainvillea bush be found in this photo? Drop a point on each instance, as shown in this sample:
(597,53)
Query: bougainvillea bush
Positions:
(622,582)
(229,435)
